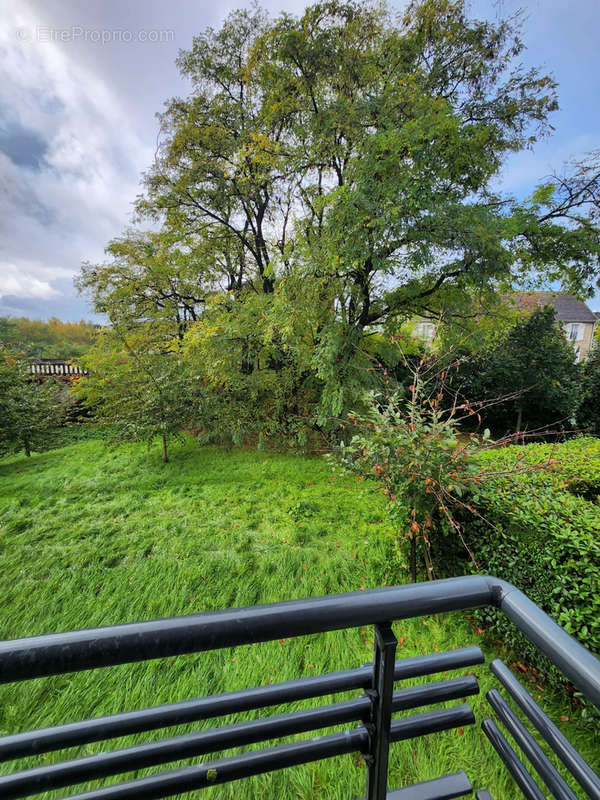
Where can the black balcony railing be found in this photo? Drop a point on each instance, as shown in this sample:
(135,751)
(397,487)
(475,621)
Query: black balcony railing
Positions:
(372,711)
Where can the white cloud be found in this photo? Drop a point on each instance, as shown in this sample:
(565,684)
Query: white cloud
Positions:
(81,196)
(14,281)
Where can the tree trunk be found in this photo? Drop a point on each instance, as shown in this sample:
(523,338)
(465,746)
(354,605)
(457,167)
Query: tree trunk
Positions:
(519,417)
(413,559)
(27,448)
(165,456)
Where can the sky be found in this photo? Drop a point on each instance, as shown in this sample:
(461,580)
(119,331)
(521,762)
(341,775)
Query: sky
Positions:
(81,82)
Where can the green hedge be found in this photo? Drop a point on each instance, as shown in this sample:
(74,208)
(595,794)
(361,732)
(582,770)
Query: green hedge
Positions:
(546,535)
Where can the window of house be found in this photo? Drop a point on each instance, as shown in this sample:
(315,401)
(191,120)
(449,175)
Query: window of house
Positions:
(425,330)
(573,331)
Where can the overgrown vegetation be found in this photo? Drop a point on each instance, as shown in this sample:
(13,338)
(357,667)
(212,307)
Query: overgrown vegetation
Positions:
(329,179)
(94,536)
(464,502)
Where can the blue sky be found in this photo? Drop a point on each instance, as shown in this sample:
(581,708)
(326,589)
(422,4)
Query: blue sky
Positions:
(77,124)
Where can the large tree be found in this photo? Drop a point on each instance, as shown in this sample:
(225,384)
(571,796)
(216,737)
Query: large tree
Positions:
(341,166)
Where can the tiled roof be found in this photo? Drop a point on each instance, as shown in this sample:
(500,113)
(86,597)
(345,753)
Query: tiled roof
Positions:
(567,307)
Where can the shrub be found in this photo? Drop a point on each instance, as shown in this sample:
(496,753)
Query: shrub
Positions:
(546,535)
(413,449)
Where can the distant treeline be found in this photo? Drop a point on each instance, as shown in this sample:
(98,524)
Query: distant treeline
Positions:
(53,339)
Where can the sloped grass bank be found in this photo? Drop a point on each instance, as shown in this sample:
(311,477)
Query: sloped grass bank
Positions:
(95,536)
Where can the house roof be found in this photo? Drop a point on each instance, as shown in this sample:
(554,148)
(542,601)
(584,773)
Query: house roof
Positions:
(568,308)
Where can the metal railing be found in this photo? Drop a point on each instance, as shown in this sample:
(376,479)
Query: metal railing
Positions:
(52,654)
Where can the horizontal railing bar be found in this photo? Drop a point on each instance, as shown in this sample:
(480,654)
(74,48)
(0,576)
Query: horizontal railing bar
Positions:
(77,650)
(109,727)
(431,722)
(435,692)
(257,762)
(545,769)
(51,654)
(43,779)
(55,776)
(202,776)
(445,788)
(511,761)
(419,666)
(573,761)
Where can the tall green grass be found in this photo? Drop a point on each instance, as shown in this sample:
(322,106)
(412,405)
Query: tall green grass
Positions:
(95,536)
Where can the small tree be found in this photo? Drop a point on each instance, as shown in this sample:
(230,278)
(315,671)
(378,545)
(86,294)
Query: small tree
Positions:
(414,449)
(588,414)
(533,366)
(27,409)
(138,385)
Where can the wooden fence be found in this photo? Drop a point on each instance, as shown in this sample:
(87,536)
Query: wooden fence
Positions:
(48,367)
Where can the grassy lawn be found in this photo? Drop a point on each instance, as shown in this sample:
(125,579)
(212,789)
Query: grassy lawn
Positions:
(93,536)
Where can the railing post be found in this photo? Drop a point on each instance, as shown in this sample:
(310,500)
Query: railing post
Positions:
(384,659)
